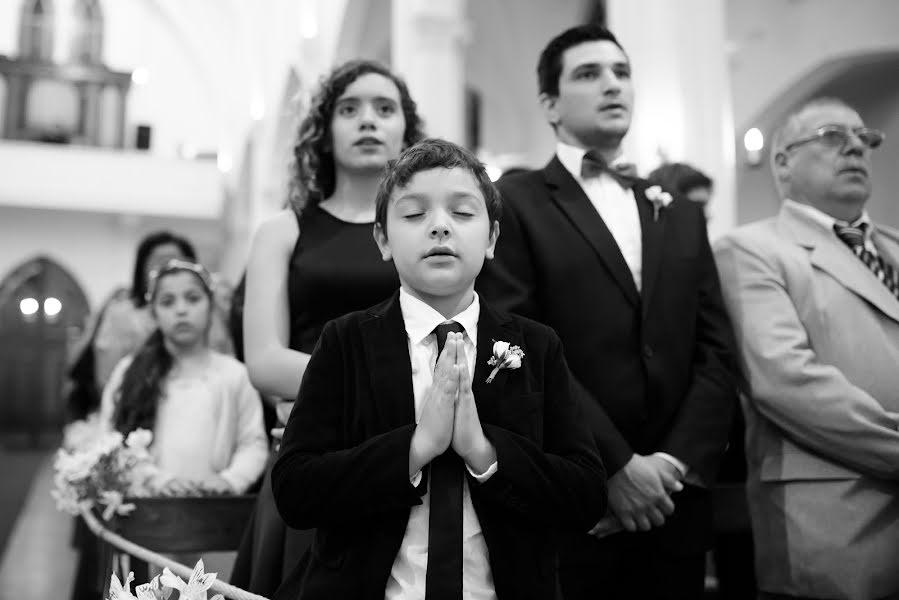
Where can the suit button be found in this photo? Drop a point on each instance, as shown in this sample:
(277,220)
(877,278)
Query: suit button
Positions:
(647,351)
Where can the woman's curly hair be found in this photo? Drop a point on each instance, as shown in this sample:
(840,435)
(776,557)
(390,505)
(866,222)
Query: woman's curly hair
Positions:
(313,172)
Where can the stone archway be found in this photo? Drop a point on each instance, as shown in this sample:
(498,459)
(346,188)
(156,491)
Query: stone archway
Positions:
(42,312)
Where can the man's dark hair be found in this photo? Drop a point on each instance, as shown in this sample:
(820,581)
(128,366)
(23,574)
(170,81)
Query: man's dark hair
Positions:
(549,67)
(433,153)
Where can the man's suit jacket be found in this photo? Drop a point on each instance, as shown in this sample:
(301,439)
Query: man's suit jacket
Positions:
(657,364)
(344,462)
(819,340)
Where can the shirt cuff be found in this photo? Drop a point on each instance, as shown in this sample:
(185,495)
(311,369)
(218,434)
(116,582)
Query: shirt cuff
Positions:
(677,464)
(486,474)
(415,479)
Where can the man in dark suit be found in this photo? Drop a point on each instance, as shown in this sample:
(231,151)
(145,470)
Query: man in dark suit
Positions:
(380,433)
(623,272)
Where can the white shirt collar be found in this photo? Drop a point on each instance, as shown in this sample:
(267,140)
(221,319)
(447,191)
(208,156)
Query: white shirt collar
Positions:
(826,221)
(571,158)
(421,319)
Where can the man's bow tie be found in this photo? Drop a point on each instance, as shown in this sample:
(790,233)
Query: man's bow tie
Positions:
(624,173)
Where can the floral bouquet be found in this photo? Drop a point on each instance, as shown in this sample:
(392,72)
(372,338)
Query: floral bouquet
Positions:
(97,467)
(162,587)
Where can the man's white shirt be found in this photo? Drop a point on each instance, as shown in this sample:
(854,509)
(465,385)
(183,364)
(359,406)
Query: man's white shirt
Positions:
(828,222)
(615,204)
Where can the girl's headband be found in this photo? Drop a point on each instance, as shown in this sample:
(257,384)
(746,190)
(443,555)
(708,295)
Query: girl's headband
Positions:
(174,265)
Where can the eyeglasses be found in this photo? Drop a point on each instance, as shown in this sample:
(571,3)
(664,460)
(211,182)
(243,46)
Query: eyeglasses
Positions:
(835,136)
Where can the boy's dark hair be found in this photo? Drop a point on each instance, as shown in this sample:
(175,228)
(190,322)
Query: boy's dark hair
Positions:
(433,153)
(147,245)
(679,177)
(549,67)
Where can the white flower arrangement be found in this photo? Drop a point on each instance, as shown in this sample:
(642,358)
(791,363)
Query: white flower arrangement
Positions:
(162,587)
(97,467)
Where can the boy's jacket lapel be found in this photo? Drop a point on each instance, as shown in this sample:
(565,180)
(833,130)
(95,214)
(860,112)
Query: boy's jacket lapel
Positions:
(489,396)
(387,351)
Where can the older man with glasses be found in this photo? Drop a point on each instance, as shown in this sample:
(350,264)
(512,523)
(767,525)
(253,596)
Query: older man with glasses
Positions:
(814,298)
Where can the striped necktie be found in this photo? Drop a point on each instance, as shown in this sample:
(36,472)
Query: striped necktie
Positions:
(854,237)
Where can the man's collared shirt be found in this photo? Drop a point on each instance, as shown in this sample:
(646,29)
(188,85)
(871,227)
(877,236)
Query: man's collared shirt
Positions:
(407,576)
(615,204)
(827,222)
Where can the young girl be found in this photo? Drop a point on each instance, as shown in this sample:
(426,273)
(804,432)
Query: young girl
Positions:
(205,416)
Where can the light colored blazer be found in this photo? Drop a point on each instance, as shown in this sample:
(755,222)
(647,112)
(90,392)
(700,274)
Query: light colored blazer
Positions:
(818,336)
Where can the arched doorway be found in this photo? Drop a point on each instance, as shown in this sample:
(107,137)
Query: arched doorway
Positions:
(42,310)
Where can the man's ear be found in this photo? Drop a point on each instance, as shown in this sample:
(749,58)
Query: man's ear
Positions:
(781,165)
(780,159)
(548,103)
(380,235)
(491,246)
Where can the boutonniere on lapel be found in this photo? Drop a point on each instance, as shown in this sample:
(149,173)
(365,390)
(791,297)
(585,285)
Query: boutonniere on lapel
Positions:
(658,198)
(504,357)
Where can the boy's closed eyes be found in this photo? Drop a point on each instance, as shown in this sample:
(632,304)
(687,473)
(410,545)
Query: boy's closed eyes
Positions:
(438,233)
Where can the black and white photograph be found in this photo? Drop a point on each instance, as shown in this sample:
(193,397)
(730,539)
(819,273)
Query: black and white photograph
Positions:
(449,300)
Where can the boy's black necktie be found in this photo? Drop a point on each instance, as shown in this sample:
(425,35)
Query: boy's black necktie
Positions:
(444,575)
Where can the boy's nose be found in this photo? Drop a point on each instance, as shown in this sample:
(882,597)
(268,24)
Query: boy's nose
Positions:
(440,231)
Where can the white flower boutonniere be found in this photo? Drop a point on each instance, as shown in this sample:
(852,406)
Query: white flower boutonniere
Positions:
(658,198)
(504,357)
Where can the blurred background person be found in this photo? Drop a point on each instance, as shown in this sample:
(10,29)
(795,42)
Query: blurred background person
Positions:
(126,321)
(687,181)
(120,325)
(117,330)
(175,381)
(315,261)
(206,418)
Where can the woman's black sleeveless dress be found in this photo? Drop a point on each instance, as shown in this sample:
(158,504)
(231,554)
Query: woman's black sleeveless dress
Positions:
(335,269)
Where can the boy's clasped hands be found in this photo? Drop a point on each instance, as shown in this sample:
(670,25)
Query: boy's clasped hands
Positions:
(449,417)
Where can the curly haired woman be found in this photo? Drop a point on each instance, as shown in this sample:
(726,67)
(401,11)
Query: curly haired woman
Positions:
(315,261)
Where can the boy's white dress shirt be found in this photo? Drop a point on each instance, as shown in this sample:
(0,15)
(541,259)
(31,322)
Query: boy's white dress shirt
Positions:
(407,576)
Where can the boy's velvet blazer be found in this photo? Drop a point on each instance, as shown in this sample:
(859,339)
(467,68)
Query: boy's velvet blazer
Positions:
(344,461)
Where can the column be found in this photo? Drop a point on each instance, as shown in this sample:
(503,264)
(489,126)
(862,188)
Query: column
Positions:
(428,50)
(683,108)
(14,117)
(91,100)
(121,114)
